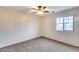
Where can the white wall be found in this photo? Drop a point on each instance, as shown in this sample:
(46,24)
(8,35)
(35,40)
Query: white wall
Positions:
(66,37)
(17,27)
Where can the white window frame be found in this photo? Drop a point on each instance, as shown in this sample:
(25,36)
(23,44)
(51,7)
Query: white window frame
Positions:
(66,22)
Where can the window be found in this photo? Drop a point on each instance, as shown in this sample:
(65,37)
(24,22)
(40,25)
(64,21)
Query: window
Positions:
(64,23)
(59,24)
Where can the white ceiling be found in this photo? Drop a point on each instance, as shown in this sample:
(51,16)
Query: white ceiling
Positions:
(59,8)
(27,8)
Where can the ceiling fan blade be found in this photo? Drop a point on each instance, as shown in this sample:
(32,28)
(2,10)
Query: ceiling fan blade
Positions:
(34,9)
(46,11)
(44,7)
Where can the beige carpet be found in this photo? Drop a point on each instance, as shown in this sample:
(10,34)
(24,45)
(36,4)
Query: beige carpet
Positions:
(40,45)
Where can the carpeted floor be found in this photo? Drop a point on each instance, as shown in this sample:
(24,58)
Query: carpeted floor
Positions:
(40,45)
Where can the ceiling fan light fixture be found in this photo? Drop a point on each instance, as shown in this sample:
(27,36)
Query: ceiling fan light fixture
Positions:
(33,10)
(40,9)
(40,12)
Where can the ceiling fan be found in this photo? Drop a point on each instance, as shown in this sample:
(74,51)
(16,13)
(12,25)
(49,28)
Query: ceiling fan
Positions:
(40,9)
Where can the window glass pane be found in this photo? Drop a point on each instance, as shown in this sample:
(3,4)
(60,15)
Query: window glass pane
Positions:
(66,20)
(59,20)
(69,25)
(59,27)
(71,19)
(59,24)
